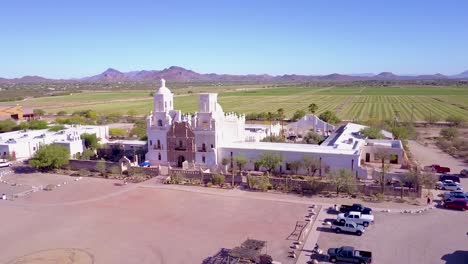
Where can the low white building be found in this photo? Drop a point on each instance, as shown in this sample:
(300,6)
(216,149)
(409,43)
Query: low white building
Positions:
(23,144)
(211,135)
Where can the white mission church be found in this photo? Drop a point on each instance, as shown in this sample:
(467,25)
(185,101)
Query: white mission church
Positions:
(210,135)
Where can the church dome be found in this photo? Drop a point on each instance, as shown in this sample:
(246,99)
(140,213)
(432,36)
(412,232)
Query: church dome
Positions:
(163,89)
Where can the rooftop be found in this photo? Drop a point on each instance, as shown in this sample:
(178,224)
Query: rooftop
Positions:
(44,134)
(290,147)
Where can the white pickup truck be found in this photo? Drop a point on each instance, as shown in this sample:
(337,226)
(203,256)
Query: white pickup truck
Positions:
(356,217)
(349,227)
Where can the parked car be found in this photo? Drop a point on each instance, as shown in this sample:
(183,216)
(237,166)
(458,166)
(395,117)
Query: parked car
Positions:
(437,168)
(5,163)
(441,184)
(460,205)
(455,196)
(349,255)
(446,177)
(451,187)
(355,208)
(356,217)
(464,173)
(349,227)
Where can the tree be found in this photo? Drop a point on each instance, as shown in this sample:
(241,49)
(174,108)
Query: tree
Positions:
(61,113)
(295,165)
(50,157)
(280,112)
(298,115)
(343,180)
(310,164)
(139,129)
(90,140)
(383,155)
(7,125)
(56,128)
(372,133)
(87,154)
(38,112)
(455,120)
(240,161)
(403,132)
(270,160)
(312,138)
(449,133)
(117,132)
(330,117)
(313,108)
(33,125)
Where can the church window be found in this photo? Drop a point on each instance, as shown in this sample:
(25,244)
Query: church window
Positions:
(205,125)
(203,159)
(151,142)
(211,145)
(160,122)
(180,144)
(159,144)
(159,156)
(203,147)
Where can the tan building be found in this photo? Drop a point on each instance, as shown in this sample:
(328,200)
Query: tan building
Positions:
(16,112)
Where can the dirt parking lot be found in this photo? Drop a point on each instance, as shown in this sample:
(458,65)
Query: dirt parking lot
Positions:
(105,223)
(435,236)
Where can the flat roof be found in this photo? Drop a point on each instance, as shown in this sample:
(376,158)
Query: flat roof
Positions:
(290,147)
(41,134)
(127,142)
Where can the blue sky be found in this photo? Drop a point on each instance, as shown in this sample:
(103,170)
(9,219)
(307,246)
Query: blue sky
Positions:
(63,39)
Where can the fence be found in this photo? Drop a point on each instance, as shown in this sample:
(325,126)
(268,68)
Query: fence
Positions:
(318,186)
(203,176)
(149,171)
(91,165)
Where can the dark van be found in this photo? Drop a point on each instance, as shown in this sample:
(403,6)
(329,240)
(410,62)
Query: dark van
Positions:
(453,178)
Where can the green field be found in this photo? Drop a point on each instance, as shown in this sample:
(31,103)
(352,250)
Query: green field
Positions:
(350,103)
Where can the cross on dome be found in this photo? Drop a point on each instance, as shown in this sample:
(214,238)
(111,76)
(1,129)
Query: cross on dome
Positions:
(163,89)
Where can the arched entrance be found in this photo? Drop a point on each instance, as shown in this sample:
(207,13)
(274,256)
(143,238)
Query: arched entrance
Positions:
(180,160)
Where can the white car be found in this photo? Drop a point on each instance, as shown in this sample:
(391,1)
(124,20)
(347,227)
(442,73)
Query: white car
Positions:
(452,187)
(356,217)
(5,163)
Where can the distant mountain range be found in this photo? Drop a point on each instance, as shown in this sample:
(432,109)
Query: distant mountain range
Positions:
(179,74)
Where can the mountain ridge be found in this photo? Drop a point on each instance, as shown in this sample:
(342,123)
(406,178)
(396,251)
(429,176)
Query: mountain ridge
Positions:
(180,74)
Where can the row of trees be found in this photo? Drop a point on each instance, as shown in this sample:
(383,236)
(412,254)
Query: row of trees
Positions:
(10,125)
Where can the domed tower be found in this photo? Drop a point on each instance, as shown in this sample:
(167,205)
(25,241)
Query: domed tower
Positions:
(158,124)
(163,99)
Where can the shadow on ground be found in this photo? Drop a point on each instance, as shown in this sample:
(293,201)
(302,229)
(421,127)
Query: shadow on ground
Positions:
(457,257)
(23,169)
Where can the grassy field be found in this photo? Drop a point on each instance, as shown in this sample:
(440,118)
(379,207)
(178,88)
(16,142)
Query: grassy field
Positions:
(350,103)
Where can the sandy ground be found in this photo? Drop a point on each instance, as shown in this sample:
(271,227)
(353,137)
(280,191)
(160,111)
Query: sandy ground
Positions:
(132,224)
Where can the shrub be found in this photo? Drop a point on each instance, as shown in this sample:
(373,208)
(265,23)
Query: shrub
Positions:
(449,133)
(50,157)
(218,179)
(176,179)
(455,120)
(56,128)
(83,172)
(312,138)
